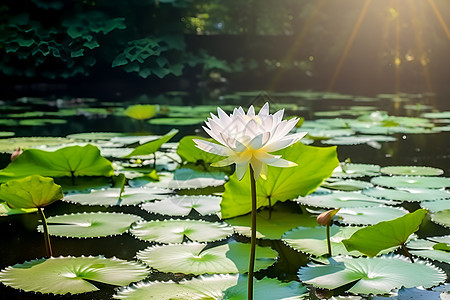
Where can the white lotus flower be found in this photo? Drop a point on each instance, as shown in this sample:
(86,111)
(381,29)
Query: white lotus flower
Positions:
(247,139)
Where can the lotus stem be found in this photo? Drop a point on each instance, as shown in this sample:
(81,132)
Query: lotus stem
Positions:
(251,266)
(407,253)
(270,208)
(328,240)
(73,177)
(154,160)
(48,246)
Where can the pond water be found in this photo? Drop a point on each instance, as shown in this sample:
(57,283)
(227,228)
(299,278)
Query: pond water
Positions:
(422,139)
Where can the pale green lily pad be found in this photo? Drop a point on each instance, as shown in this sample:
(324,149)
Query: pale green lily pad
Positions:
(74,275)
(412,170)
(442,217)
(346,185)
(176,121)
(371,140)
(6,133)
(341,199)
(175,231)
(429,182)
(140,111)
(410,194)
(32,191)
(373,239)
(430,249)
(421,294)
(266,289)
(272,224)
(89,225)
(10,144)
(41,122)
(329,133)
(368,215)
(350,170)
(5,210)
(437,205)
(183,205)
(187,178)
(377,275)
(110,196)
(94,136)
(193,258)
(202,287)
(437,115)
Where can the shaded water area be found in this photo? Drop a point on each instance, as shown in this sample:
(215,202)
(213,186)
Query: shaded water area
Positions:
(22,242)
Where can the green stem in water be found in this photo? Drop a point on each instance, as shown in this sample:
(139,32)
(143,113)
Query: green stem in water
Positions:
(251,266)
(328,240)
(154,160)
(270,208)
(407,253)
(48,246)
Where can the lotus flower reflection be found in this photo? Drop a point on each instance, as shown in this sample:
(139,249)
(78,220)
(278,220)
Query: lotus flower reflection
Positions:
(247,139)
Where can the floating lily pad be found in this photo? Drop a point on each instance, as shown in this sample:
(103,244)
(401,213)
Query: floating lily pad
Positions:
(74,275)
(182,205)
(89,225)
(187,178)
(10,144)
(176,121)
(341,199)
(421,294)
(442,217)
(93,136)
(437,205)
(112,196)
(329,133)
(412,170)
(41,122)
(368,215)
(437,115)
(175,231)
(346,185)
(377,275)
(202,287)
(410,194)
(271,224)
(6,133)
(431,249)
(193,258)
(349,170)
(429,182)
(359,139)
(140,111)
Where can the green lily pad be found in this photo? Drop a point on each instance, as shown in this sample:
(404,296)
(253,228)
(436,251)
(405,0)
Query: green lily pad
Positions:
(41,122)
(429,182)
(341,199)
(188,178)
(175,231)
(377,275)
(430,249)
(368,215)
(30,192)
(437,115)
(68,161)
(202,287)
(410,194)
(190,153)
(94,136)
(272,223)
(176,121)
(183,205)
(89,225)
(140,111)
(412,170)
(74,275)
(193,258)
(313,240)
(441,217)
(372,239)
(314,165)
(5,210)
(113,196)
(7,133)
(11,144)
(329,133)
(350,170)
(346,185)
(152,146)
(437,205)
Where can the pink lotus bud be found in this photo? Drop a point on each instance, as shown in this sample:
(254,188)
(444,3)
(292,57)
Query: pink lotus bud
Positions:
(16,153)
(325,217)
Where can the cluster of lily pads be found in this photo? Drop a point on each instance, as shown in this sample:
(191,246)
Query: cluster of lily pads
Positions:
(195,221)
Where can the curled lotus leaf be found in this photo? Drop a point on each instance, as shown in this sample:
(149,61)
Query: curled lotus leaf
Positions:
(412,171)
(407,194)
(341,199)
(5,210)
(376,275)
(430,182)
(74,275)
(194,258)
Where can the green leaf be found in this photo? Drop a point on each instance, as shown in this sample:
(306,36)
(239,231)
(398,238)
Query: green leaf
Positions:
(5,210)
(120,60)
(152,146)
(88,225)
(67,161)
(183,205)
(190,153)
(435,248)
(412,171)
(174,231)
(429,182)
(74,275)
(176,121)
(377,275)
(141,112)
(30,192)
(314,165)
(441,217)
(341,199)
(372,239)
(194,258)
(368,215)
